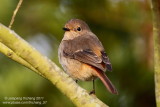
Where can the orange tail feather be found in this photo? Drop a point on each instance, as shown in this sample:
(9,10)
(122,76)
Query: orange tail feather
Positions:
(108,84)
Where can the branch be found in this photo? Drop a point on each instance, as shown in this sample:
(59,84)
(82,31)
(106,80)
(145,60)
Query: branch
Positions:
(156,34)
(15,12)
(19,50)
(9,53)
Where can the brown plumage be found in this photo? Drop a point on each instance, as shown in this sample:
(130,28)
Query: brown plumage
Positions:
(82,55)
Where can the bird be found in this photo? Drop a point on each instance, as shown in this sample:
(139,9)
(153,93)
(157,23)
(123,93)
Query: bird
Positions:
(83,56)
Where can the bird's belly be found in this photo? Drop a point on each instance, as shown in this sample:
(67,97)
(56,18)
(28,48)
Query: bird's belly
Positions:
(78,70)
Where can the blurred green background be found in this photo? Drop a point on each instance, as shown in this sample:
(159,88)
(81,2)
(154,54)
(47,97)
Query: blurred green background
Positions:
(124,28)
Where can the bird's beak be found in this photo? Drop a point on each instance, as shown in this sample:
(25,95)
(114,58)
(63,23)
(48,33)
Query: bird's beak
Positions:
(66,29)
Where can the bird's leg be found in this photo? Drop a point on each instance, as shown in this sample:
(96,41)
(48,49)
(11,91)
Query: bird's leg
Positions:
(93,91)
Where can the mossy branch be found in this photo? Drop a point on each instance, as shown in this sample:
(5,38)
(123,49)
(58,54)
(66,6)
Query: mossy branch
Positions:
(156,35)
(19,50)
(9,53)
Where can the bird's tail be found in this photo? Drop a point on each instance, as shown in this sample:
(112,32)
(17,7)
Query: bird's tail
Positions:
(108,84)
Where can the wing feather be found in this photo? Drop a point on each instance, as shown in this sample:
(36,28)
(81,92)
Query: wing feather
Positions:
(85,49)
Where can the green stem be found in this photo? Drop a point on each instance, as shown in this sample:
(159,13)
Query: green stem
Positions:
(156,38)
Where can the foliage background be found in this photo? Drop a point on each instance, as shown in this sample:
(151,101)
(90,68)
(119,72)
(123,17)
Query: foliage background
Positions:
(124,28)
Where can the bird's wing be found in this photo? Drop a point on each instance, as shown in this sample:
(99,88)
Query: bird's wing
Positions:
(105,59)
(86,56)
(86,49)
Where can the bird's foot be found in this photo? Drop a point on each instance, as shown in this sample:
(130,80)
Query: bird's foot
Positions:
(92,92)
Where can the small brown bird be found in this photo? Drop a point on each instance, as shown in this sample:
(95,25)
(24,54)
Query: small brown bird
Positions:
(82,55)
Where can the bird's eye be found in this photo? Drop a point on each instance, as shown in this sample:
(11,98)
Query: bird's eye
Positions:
(78,29)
